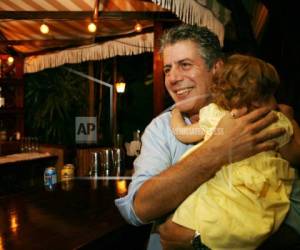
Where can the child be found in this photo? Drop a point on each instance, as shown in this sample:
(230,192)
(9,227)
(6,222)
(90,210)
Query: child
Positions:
(245,201)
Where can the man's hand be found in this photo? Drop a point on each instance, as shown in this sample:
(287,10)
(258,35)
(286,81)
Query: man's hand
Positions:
(239,136)
(175,237)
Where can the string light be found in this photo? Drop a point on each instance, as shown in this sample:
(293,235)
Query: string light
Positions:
(10,60)
(138,27)
(92,27)
(44,28)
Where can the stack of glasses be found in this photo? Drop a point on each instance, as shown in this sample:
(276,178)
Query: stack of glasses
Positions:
(29,144)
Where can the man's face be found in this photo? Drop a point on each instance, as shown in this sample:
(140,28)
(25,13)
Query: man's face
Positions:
(187,77)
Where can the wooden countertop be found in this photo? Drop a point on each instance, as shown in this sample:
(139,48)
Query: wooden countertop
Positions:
(22,157)
(71,216)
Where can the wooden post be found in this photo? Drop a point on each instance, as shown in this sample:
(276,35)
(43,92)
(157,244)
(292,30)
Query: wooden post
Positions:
(114,102)
(158,76)
(100,102)
(19,64)
(91,96)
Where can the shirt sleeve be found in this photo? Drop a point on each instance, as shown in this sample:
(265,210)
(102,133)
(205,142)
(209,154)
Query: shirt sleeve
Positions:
(155,156)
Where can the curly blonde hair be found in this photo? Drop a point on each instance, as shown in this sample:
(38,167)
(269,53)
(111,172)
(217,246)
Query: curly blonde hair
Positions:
(243,80)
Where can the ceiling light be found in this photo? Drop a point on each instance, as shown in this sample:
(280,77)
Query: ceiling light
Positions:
(138,27)
(10,60)
(92,27)
(44,28)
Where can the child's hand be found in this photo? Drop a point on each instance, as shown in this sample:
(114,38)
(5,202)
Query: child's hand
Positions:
(185,133)
(177,120)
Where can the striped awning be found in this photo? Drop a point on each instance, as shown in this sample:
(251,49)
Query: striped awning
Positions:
(20,22)
(207,13)
(25,35)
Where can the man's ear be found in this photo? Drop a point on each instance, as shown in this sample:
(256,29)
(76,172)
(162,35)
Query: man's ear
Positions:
(217,65)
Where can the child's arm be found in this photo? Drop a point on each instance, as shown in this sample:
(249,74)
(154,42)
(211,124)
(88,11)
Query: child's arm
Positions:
(291,151)
(183,132)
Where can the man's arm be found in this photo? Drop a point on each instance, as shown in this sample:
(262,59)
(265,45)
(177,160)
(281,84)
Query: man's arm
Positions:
(240,138)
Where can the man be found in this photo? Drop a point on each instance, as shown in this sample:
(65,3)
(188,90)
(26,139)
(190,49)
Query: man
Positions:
(160,183)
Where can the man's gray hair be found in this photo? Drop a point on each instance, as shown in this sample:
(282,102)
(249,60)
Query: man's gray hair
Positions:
(207,42)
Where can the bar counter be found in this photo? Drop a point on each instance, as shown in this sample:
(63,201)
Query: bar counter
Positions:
(74,215)
(21,170)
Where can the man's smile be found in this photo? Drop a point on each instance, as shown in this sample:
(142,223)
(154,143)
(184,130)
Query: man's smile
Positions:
(183,91)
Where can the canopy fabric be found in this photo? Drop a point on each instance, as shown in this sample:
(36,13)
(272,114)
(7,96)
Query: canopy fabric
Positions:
(28,30)
(66,34)
(39,5)
(76,5)
(207,13)
(123,46)
(74,31)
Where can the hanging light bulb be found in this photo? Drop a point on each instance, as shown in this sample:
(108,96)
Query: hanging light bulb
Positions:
(44,28)
(120,87)
(138,27)
(10,60)
(92,27)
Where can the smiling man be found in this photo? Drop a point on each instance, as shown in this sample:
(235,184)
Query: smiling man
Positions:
(161,182)
(187,77)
